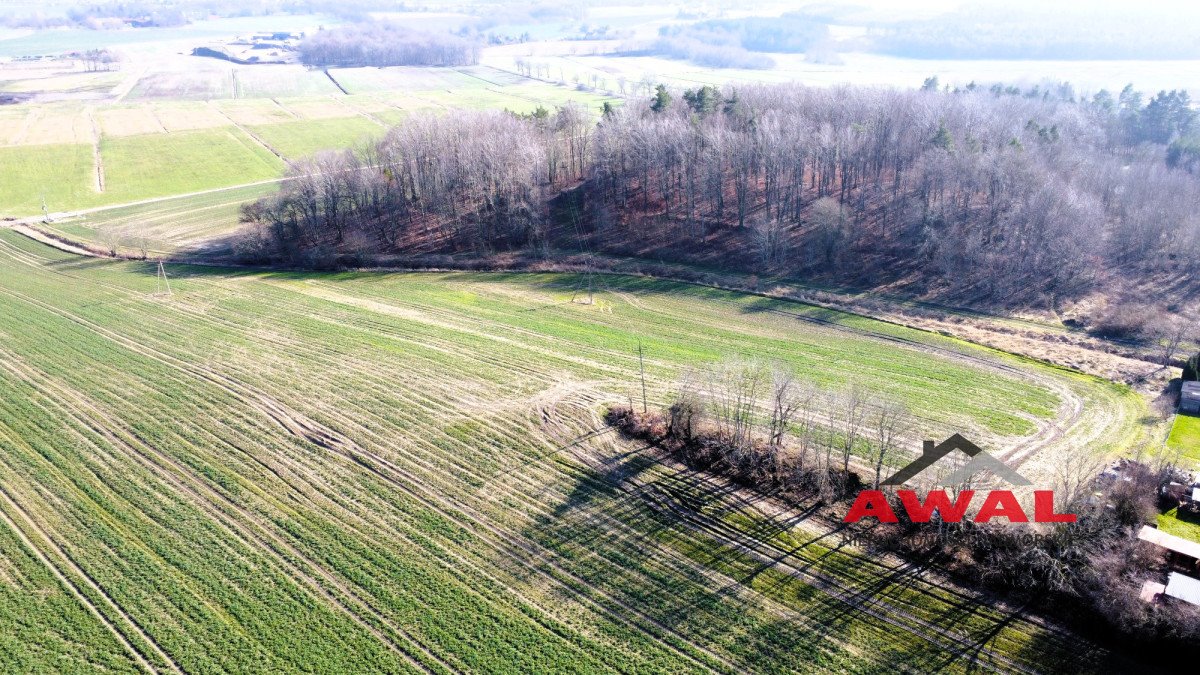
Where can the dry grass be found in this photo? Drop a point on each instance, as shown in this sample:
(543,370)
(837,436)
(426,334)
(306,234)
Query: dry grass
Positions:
(128,121)
(58,124)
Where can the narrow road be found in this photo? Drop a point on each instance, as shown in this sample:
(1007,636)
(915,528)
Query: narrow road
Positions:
(58,215)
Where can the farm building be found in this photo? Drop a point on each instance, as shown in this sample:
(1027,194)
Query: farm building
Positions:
(1182,553)
(1183,587)
(1151,591)
(1183,496)
(1189,398)
(1178,586)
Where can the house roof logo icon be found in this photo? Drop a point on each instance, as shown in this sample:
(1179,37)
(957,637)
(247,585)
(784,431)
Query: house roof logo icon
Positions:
(979,461)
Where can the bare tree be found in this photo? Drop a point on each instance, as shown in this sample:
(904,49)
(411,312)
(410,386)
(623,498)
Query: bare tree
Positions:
(891,424)
(113,239)
(853,417)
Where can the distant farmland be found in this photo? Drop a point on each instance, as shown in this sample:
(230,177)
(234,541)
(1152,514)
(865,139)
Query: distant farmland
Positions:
(190,130)
(407,472)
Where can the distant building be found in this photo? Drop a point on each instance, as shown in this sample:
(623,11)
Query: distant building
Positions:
(1189,398)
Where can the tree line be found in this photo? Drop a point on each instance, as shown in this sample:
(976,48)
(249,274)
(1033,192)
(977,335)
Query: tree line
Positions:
(477,176)
(996,198)
(386,43)
(766,428)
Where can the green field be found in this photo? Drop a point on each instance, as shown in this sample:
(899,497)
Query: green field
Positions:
(355,472)
(1185,437)
(301,138)
(62,174)
(137,167)
(1181,525)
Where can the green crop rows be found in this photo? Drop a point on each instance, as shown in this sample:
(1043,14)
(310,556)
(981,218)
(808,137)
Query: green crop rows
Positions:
(398,473)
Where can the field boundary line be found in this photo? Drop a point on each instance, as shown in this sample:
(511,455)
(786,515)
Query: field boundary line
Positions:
(140,202)
(128,84)
(285,108)
(97,159)
(152,111)
(375,120)
(335,82)
(253,136)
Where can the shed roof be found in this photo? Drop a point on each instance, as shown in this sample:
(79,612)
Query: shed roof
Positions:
(1183,587)
(1150,589)
(1191,391)
(1170,542)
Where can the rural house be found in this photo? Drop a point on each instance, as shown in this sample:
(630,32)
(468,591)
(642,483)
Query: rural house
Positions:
(1189,398)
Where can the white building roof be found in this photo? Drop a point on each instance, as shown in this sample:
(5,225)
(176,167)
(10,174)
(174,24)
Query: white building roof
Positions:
(1183,587)
(1170,542)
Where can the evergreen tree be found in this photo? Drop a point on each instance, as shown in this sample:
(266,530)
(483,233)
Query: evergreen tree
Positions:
(1166,117)
(704,100)
(662,99)
(942,139)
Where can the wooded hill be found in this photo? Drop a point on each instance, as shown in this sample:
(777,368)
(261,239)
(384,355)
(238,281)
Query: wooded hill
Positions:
(997,196)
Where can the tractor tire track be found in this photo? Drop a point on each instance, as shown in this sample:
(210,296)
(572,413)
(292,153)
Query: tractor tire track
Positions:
(149,458)
(332,437)
(95,588)
(386,471)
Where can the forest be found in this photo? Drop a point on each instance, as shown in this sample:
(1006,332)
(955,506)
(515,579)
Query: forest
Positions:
(991,194)
(386,43)
(738,43)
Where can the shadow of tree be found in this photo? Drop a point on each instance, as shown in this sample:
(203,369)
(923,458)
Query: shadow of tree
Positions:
(679,548)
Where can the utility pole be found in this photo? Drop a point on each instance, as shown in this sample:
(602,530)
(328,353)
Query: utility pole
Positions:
(642,368)
(45,209)
(162,286)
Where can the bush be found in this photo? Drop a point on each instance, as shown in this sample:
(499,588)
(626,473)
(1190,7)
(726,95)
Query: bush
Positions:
(1126,321)
(1191,368)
